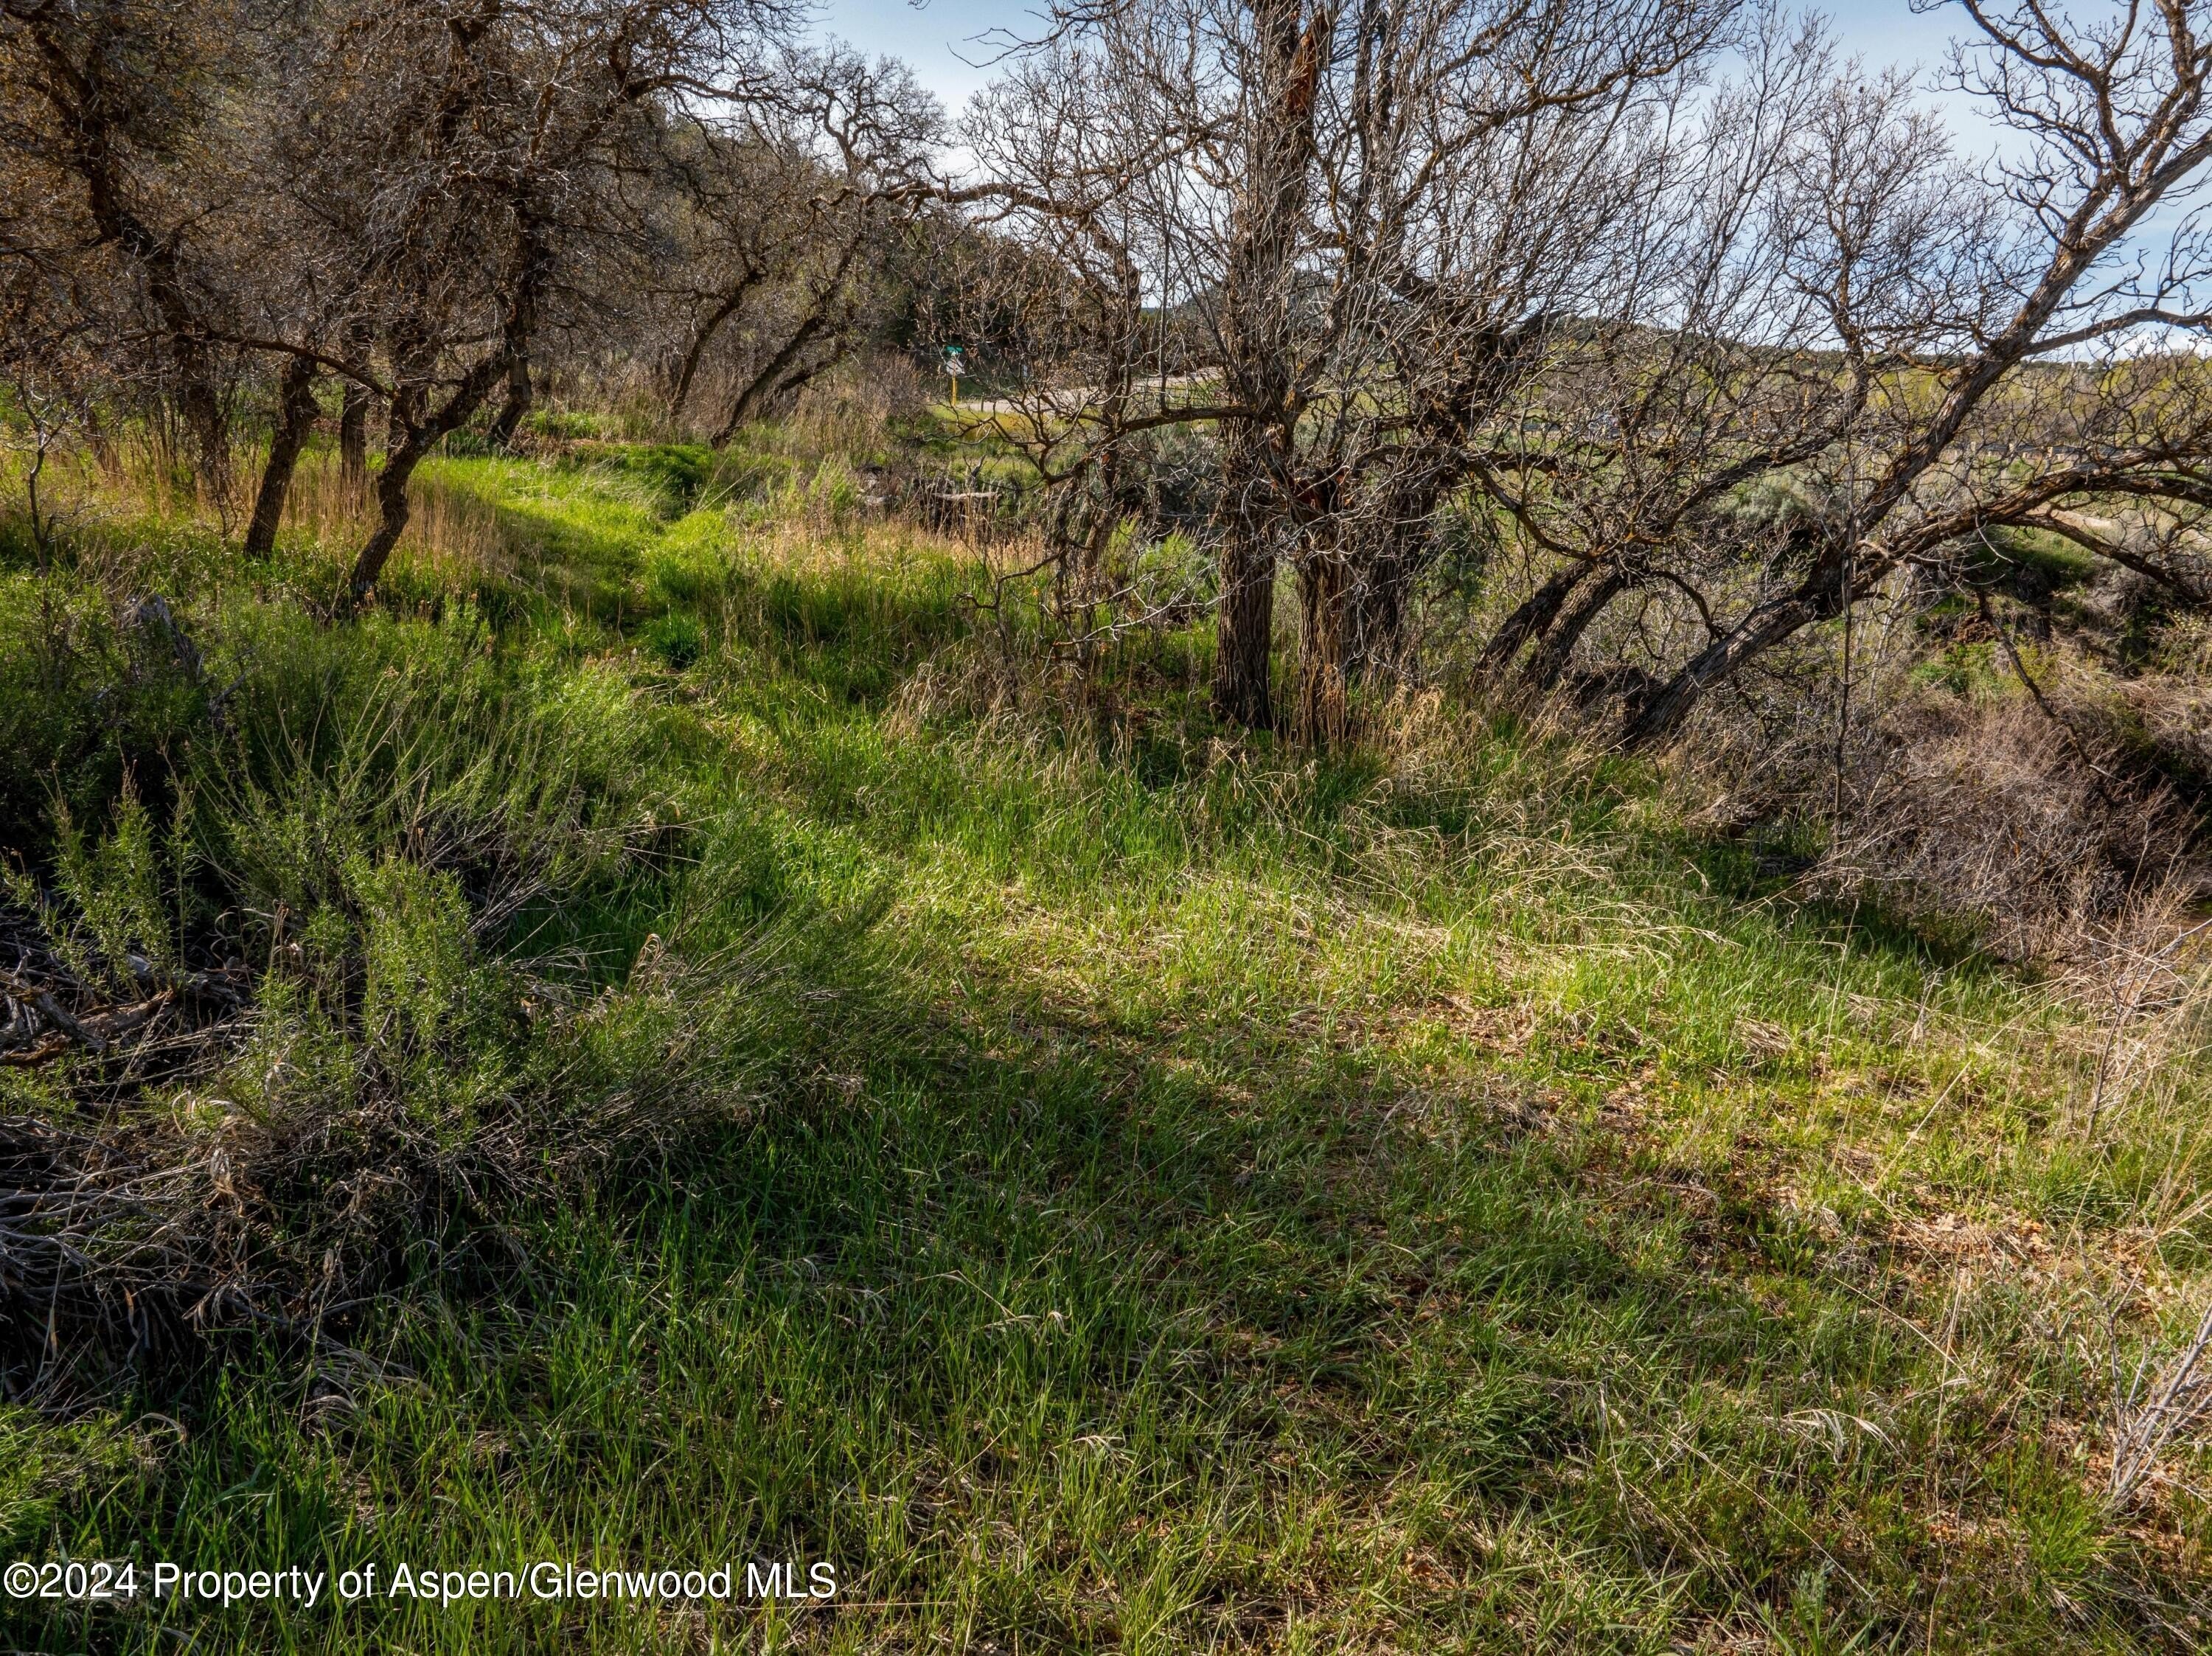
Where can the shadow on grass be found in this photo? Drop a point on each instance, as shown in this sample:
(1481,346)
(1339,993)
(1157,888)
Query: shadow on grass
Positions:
(1064,1316)
(1755,869)
(1056,1329)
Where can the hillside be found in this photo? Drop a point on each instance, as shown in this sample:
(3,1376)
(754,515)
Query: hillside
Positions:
(726,1075)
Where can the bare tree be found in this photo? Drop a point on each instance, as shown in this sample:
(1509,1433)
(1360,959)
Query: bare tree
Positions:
(107,106)
(455,152)
(1358,216)
(791,209)
(50,378)
(271,194)
(1477,199)
(2052,392)
(1795,240)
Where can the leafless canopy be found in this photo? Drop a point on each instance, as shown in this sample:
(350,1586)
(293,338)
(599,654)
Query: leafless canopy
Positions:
(1685,311)
(1704,337)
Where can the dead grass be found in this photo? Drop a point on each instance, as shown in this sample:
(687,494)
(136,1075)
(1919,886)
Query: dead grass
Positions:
(1989,809)
(454,538)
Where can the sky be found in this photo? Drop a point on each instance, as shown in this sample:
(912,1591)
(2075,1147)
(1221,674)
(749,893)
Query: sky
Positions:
(941,40)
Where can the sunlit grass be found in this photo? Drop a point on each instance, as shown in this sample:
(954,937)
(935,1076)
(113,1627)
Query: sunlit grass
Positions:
(1203,1196)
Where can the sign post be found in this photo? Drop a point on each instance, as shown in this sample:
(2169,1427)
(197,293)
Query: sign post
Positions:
(955,364)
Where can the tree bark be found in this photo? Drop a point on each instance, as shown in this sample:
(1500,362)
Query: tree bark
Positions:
(1324,709)
(1548,660)
(1244,617)
(820,316)
(416,428)
(1255,327)
(1379,600)
(295,419)
(1532,619)
(519,397)
(1443,418)
(1661,717)
(749,401)
(695,353)
(413,439)
(392,510)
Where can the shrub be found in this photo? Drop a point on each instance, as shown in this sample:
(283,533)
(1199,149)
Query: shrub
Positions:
(1989,808)
(271,1043)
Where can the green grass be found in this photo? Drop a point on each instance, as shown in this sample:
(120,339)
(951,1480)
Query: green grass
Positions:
(1172,1192)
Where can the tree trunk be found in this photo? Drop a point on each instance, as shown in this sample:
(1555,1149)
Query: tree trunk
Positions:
(702,336)
(411,440)
(821,315)
(1380,599)
(749,400)
(355,403)
(1256,349)
(353,435)
(1532,619)
(1383,589)
(519,397)
(1550,658)
(391,514)
(295,418)
(1661,717)
(1324,712)
(1244,620)
(756,394)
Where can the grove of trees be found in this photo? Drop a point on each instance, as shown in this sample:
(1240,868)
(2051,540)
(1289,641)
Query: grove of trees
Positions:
(1704,336)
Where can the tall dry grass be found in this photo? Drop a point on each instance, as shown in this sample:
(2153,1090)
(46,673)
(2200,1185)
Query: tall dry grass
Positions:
(453,534)
(452,531)
(1989,808)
